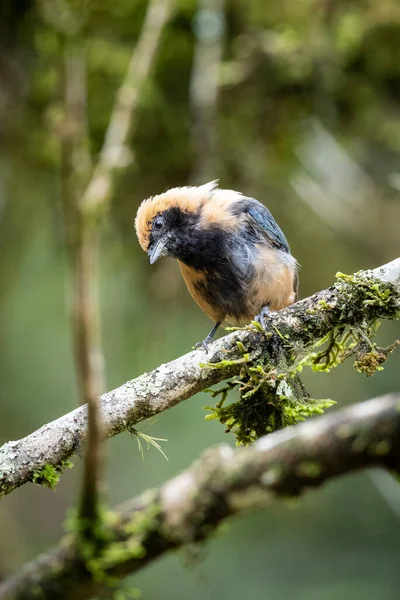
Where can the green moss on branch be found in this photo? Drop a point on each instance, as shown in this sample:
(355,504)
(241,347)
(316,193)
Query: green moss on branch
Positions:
(271,394)
(49,476)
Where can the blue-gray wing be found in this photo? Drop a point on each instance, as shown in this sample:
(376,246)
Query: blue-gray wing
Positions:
(269,229)
(264,224)
(258,226)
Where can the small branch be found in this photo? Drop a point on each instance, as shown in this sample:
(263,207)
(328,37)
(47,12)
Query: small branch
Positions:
(209,25)
(124,112)
(90,366)
(82,248)
(224,482)
(151,393)
(388,488)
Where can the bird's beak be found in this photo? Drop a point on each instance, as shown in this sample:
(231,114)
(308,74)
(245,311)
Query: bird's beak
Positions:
(157,250)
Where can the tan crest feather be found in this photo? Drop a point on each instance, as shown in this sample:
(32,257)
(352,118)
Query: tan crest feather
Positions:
(188,198)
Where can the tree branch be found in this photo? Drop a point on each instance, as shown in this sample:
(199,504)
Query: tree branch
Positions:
(209,26)
(300,325)
(224,482)
(82,249)
(123,115)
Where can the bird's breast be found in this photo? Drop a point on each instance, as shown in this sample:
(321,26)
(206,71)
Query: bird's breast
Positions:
(218,291)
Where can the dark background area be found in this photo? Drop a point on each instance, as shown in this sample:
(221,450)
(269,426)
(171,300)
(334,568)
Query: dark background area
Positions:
(307,121)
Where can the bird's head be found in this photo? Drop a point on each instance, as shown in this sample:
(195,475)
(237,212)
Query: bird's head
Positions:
(165,224)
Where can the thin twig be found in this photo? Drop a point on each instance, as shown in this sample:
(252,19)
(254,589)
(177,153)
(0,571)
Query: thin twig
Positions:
(388,488)
(222,483)
(82,241)
(209,25)
(124,112)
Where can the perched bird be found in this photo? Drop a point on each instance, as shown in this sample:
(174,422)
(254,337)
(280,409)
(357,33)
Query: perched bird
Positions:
(233,256)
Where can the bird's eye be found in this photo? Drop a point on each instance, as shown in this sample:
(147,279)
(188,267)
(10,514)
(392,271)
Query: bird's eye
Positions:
(158,223)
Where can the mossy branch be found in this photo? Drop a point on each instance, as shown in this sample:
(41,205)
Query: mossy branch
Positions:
(222,483)
(357,302)
(271,393)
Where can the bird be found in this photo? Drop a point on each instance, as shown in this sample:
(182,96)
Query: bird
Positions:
(233,256)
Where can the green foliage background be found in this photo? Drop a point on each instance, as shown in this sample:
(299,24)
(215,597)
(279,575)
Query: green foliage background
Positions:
(308,122)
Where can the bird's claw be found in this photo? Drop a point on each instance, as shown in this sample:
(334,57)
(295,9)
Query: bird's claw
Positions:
(208,339)
(263,318)
(202,345)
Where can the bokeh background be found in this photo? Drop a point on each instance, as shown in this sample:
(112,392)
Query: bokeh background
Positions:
(293,102)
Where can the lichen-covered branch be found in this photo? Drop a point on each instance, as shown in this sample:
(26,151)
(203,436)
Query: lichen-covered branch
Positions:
(358,303)
(224,482)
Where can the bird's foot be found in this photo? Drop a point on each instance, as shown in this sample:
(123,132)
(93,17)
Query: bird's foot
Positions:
(203,345)
(208,339)
(263,318)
